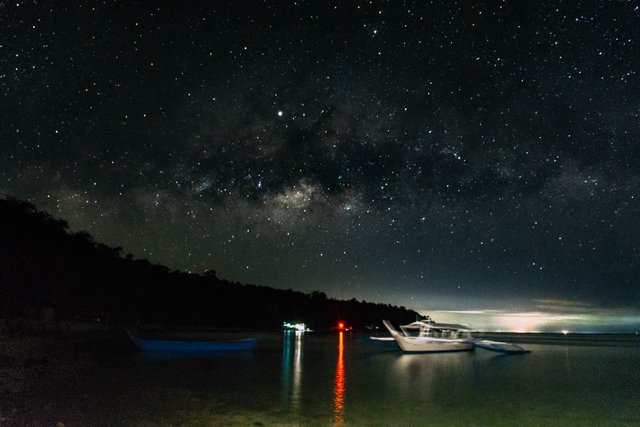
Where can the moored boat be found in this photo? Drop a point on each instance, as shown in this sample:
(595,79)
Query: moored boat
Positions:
(431,338)
(177,345)
(427,336)
(499,347)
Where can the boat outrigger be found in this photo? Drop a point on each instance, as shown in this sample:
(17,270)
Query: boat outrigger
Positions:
(500,347)
(427,336)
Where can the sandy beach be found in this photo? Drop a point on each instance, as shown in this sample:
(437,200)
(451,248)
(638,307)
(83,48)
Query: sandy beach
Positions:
(30,349)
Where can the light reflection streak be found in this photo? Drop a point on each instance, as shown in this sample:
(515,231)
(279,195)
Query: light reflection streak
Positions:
(292,370)
(339,387)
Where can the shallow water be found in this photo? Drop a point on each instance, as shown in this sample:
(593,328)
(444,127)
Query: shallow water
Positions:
(338,380)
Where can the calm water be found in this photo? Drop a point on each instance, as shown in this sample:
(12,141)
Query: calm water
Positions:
(338,380)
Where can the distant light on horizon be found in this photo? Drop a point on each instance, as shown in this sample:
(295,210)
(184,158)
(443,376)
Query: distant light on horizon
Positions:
(614,321)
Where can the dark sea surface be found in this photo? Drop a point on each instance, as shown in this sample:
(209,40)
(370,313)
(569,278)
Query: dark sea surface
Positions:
(339,379)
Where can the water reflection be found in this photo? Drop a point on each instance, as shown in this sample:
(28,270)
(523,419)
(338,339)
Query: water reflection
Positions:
(424,372)
(339,388)
(292,369)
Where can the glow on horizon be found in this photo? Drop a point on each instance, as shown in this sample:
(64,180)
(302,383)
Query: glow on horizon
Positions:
(541,321)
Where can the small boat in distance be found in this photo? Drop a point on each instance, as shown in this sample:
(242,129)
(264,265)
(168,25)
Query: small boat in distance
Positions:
(431,337)
(176,345)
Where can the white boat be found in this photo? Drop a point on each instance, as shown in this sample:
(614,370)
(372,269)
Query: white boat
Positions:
(426,336)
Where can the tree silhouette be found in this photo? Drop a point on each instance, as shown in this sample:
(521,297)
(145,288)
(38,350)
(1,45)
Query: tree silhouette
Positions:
(44,265)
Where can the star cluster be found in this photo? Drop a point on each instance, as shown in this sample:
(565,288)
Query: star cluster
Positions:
(429,154)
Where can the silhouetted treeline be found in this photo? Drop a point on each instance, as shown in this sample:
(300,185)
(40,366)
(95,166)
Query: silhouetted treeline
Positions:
(45,267)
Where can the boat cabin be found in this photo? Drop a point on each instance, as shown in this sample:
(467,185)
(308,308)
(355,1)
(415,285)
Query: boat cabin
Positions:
(429,328)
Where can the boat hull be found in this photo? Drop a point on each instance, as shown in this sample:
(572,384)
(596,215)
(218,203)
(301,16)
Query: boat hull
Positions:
(422,345)
(162,345)
(427,344)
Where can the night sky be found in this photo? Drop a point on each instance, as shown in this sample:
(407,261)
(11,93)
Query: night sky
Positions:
(444,155)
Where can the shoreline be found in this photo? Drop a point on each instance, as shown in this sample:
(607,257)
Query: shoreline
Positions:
(32,350)
(39,367)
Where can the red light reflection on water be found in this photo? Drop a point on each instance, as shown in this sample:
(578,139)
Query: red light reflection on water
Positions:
(339,389)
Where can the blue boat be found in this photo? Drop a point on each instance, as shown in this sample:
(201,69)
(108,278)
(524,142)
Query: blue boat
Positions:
(174,345)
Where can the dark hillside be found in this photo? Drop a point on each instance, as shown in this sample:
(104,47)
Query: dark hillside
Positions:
(46,268)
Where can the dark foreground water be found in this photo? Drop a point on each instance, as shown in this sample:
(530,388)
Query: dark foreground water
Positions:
(338,380)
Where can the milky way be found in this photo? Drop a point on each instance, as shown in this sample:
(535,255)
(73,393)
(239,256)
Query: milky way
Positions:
(428,154)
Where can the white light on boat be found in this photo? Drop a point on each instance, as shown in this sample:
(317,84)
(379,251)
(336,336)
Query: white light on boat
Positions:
(299,327)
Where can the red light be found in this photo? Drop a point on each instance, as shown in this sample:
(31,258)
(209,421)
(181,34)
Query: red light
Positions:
(340,325)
